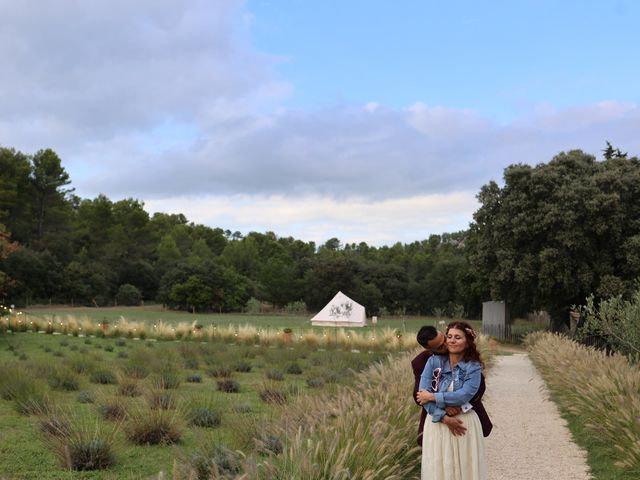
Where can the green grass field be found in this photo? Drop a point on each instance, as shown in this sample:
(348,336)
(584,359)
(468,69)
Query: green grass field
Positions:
(155,313)
(43,360)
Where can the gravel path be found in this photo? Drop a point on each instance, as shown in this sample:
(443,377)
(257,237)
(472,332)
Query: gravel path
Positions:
(529,441)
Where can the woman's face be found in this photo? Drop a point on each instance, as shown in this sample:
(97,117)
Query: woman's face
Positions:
(456,341)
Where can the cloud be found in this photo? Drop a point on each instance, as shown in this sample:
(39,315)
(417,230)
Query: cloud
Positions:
(171,103)
(359,151)
(105,68)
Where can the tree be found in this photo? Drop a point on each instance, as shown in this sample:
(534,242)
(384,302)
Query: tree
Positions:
(7,247)
(610,153)
(16,193)
(277,276)
(243,256)
(37,275)
(200,252)
(87,282)
(140,274)
(236,290)
(331,272)
(168,253)
(209,273)
(48,178)
(193,294)
(557,232)
(128,295)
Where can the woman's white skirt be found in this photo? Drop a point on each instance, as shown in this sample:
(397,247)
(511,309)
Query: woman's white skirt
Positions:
(449,457)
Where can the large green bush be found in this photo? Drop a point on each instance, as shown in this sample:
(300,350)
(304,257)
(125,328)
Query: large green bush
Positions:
(128,295)
(616,320)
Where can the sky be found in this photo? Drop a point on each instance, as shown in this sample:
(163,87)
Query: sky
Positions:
(365,120)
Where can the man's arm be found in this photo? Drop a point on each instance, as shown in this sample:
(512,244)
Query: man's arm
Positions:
(455,425)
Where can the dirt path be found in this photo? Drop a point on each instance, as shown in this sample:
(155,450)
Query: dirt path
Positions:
(530,440)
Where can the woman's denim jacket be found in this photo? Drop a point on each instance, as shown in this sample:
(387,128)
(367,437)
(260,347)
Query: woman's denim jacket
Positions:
(466,382)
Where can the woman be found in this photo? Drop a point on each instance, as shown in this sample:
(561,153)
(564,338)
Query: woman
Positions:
(449,380)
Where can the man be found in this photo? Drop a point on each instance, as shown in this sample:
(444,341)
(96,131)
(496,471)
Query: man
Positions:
(435,343)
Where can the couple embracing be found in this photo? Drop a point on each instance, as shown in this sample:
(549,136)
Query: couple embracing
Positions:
(449,385)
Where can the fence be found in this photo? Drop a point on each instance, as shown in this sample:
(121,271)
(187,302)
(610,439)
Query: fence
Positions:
(599,342)
(510,333)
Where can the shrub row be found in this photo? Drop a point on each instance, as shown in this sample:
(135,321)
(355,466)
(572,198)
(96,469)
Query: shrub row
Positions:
(386,338)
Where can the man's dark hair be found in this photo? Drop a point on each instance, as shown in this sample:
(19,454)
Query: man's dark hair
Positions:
(426,334)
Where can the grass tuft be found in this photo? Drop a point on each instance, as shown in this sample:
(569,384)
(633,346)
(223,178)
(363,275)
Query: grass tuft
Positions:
(81,445)
(154,427)
(103,377)
(228,385)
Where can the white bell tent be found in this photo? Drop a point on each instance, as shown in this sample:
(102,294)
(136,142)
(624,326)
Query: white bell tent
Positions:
(341,311)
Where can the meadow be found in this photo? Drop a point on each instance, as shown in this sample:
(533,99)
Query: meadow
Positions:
(151,314)
(147,393)
(142,404)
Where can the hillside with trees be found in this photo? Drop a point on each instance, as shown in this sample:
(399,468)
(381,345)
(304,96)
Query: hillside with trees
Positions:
(546,239)
(102,252)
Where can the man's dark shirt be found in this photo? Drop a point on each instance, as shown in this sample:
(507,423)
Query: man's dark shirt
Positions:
(418,364)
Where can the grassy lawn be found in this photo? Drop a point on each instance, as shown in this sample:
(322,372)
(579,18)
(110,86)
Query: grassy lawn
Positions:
(43,360)
(155,313)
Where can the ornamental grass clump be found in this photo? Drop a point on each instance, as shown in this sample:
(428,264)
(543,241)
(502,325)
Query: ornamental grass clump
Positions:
(211,462)
(275,374)
(271,393)
(155,426)
(129,388)
(132,329)
(294,369)
(55,425)
(63,379)
(191,363)
(28,393)
(83,445)
(220,371)
(103,377)
(601,390)
(315,382)
(167,380)
(228,385)
(204,416)
(242,366)
(160,400)
(113,409)
(85,396)
(137,371)
(59,376)
(248,335)
(357,432)
(241,408)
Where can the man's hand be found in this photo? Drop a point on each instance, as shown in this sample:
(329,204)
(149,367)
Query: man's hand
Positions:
(453,411)
(456,427)
(423,397)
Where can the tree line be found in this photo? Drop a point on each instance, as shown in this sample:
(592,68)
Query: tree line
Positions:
(551,235)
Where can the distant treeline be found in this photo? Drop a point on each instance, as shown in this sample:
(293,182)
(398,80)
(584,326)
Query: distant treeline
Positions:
(549,237)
